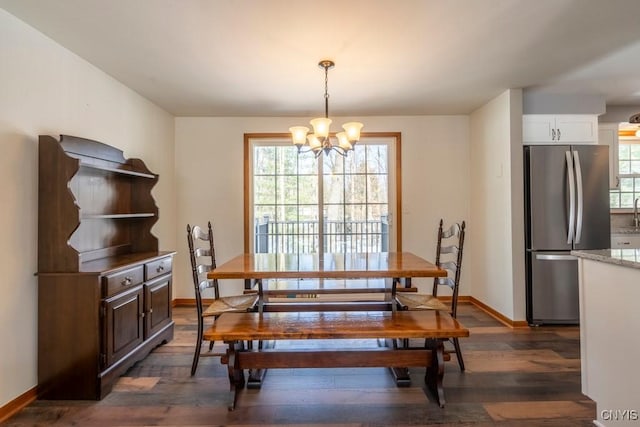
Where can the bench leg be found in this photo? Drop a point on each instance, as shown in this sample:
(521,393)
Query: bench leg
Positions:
(256,376)
(435,372)
(236,375)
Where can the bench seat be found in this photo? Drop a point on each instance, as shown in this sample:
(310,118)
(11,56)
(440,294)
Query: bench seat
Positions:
(237,328)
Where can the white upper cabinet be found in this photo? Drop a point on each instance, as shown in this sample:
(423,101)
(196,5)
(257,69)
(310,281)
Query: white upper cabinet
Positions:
(560,128)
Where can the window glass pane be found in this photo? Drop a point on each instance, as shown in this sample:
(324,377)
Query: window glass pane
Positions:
(356,160)
(333,189)
(288,190)
(626,184)
(635,166)
(377,188)
(624,167)
(623,151)
(333,164)
(308,213)
(287,160)
(307,164)
(355,187)
(377,212)
(307,189)
(265,213)
(264,160)
(356,213)
(377,158)
(634,151)
(264,190)
(614,199)
(626,200)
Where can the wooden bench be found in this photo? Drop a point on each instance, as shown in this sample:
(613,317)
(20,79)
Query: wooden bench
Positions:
(237,328)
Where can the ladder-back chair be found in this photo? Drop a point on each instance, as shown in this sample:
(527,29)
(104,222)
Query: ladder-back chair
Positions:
(448,257)
(203,259)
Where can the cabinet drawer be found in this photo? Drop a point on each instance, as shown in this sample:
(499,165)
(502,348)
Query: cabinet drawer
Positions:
(117,282)
(157,268)
(625,241)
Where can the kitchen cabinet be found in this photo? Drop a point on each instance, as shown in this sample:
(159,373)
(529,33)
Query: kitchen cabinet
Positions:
(104,288)
(559,128)
(608,135)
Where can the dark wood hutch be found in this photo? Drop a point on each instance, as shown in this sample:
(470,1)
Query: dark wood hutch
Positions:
(104,289)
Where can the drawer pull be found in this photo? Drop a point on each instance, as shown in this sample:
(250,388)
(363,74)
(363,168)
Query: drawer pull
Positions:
(127,281)
(160,268)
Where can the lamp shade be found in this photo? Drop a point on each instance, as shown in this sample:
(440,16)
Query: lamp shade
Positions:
(321,127)
(353,130)
(299,134)
(314,142)
(343,141)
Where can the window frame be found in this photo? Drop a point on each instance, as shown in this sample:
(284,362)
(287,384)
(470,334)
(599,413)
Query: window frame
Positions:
(396,142)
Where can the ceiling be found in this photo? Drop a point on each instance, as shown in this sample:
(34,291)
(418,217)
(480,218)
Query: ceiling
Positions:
(393,57)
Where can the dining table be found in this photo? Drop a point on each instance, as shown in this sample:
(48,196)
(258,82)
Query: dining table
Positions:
(392,268)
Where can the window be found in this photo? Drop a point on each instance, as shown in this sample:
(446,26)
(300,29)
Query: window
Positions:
(302,204)
(629,173)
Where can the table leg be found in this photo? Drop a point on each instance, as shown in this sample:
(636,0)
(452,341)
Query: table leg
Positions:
(400,375)
(435,372)
(236,375)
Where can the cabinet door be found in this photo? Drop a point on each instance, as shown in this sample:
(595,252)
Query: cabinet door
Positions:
(576,128)
(123,324)
(157,297)
(538,128)
(608,135)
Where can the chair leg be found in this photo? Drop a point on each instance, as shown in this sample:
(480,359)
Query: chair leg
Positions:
(456,345)
(196,355)
(211,345)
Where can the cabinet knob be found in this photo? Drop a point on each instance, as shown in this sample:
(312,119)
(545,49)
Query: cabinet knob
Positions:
(127,281)
(160,268)
(553,134)
(559,134)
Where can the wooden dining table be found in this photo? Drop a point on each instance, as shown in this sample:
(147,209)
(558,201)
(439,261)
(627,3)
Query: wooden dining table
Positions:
(397,267)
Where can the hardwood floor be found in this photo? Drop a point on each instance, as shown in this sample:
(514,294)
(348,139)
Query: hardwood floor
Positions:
(522,377)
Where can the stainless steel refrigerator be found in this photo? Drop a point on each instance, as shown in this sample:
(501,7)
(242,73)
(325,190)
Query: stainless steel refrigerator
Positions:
(566,207)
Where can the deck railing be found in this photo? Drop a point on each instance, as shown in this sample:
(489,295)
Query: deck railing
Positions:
(339,236)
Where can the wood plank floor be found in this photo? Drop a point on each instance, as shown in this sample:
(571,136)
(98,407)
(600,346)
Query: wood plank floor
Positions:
(524,377)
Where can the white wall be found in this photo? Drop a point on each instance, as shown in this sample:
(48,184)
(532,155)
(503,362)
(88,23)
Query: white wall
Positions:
(48,90)
(209,180)
(496,239)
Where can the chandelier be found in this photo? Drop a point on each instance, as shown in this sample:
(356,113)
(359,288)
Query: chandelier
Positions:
(320,140)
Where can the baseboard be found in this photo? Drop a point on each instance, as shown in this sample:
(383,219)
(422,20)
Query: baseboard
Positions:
(496,314)
(15,405)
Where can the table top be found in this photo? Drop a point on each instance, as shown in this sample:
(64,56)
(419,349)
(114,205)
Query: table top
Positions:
(338,325)
(329,266)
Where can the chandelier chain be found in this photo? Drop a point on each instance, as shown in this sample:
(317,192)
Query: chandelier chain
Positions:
(326,91)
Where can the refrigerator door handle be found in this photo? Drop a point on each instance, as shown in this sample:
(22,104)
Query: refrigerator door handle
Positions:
(576,159)
(547,257)
(572,197)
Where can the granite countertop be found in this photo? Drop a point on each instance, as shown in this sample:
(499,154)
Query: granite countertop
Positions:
(624,257)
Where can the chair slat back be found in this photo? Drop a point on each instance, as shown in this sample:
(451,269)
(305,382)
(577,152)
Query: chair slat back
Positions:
(449,257)
(202,256)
